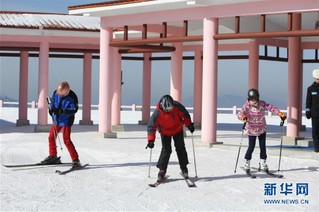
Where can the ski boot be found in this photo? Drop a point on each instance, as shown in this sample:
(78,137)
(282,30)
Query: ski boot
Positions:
(247,166)
(161,175)
(76,163)
(51,160)
(263,165)
(184,172)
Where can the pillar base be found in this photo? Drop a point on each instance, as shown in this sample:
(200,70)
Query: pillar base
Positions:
(107,135)
(198,126)
(209,145)
(297,141)
(85,122)
(117,128)
(215,143)
(21,122)
(302,128)
(142,122)
(42,128)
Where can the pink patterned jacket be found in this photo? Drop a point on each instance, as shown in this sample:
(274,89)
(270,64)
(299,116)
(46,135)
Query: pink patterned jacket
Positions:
(255,113)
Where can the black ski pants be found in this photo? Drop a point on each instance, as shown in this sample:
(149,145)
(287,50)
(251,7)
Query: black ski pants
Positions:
(167,150)
(315,132)
(252,144)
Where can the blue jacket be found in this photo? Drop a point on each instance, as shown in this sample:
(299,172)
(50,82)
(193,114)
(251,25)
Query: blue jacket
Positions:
(68,106)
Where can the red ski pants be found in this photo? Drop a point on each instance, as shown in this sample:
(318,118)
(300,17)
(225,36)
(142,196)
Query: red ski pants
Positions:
(54,130)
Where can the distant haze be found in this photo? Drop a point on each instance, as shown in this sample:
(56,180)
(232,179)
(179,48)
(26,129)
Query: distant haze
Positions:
(232,80)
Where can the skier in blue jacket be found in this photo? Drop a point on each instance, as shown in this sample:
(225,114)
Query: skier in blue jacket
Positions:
(62,108)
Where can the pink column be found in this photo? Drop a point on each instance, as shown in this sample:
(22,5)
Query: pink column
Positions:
(198,75)
(43,84)
(294,60)
(146,91)
(105,88)
(210,61)
(176,73)
(87,90)
(116,95)
(253,65)
(23,89)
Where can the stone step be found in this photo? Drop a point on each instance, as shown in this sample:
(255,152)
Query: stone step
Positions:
(298,141)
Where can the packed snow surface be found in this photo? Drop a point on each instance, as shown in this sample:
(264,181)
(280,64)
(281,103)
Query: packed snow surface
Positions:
(117,177)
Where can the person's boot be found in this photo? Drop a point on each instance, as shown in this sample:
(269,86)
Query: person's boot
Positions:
(51,160)
(184,172)
(161,175)
(76,163)
(247,166)
(263,165)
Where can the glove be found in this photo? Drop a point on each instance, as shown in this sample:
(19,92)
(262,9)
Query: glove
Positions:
(50,112)
(244,118)
(57,111)
(150,145)
(191,127)
(282,116)
(308,114)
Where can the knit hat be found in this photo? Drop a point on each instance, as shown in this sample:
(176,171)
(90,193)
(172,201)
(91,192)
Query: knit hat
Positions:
(315,73)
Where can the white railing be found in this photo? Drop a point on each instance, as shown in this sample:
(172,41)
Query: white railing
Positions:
(234,110)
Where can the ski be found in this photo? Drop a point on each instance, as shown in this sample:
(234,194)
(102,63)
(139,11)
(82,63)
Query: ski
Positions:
(188,181)
(274,175)
(248,173)
(34,164)
(155,184)
(70,170)
(269,173)
(158,182)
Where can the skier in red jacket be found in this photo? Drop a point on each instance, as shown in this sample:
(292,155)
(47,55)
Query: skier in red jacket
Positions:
(169,118)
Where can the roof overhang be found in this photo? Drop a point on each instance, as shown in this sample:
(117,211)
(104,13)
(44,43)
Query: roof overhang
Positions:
(127,7)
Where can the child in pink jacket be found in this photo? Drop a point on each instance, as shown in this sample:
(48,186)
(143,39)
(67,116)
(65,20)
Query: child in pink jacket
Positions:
(253,112)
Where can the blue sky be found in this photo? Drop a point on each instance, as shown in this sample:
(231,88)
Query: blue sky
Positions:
(232,74)
(56,6)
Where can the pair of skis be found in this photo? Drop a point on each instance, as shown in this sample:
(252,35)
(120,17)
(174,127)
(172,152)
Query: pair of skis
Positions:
(266,172)
(189,182)
(42,164)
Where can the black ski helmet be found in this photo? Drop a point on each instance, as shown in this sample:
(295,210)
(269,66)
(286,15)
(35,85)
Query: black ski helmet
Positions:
(166,103)
(253,94)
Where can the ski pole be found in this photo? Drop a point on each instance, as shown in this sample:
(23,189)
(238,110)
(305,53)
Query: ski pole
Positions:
(194,155)
(281,138)
(56,135)
(241,140)
(149,165)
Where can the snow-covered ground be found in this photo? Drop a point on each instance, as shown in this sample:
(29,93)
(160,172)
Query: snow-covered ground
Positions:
(117,178)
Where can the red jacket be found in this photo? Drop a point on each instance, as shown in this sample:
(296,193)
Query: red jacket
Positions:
(168,123)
